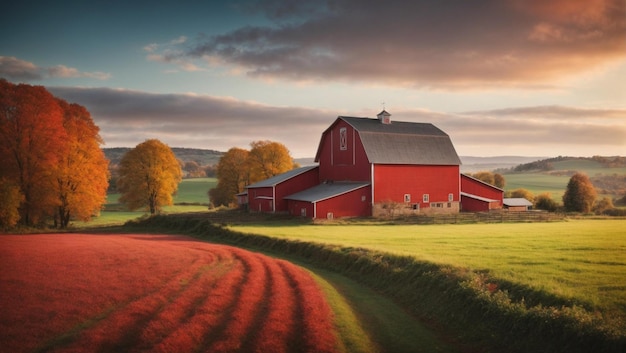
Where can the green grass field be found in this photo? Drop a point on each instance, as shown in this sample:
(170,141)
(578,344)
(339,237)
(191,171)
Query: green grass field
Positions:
(581,260)
(191,197)
(552,182)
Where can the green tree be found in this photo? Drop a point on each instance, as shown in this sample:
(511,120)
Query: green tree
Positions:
(580,194)
(544,201)
(149,175)
(233,174)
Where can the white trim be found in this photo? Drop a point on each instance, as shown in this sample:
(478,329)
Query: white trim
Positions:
(273,199)
(372,183)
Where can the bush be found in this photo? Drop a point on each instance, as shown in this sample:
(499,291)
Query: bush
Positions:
(545,202)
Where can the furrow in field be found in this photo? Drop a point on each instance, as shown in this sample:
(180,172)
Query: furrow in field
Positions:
(314,319)
(277,332)
(238,324)
(207,322)
(119,327)
(183,306)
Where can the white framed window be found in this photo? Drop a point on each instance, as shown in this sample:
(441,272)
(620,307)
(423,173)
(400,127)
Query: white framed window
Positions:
(425,198)
(407,198)
(450,197)
(343,138)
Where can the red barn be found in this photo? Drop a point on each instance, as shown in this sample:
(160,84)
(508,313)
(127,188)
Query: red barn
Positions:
(369,167)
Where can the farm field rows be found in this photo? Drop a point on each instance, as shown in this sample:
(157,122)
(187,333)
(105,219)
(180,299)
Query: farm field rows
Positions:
(581,260)
(112,293)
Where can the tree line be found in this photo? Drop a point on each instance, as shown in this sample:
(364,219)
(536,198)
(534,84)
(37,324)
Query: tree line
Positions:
(239,167)
(53,168)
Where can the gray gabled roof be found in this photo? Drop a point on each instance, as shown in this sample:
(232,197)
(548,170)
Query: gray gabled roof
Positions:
(516,202)
(404,142)
(325,191)
(275,180)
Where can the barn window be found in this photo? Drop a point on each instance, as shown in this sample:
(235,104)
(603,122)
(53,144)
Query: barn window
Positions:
(425,198)
(343,138)
(303,212)
(450,197)
(363,198)
(407,198)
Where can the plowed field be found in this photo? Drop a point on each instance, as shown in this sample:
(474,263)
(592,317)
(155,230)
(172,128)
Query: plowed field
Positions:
(131,293)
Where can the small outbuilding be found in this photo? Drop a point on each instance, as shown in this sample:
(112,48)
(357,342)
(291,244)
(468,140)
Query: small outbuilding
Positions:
(517,204)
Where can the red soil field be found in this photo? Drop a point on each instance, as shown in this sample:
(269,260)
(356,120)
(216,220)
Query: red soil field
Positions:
(156,293)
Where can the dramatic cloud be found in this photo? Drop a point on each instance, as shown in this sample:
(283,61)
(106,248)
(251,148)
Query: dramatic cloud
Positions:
(19,70)
(127,118)
(451,44)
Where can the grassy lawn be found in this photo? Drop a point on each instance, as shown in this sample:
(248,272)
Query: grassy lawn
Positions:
(584,260)
(191,197)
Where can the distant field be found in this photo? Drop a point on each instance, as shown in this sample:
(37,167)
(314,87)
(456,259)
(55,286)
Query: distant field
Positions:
(584,260)
(555,181)
(190,191)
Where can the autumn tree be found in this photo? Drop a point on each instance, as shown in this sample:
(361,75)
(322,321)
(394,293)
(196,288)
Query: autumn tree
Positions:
(149,175)
(268,159)
(82,171)
(490,178)
(521,193)
(544,201)
(579,194)
(233,174)
(32,139)
(9,207)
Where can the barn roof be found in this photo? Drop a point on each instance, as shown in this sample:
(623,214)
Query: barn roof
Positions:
(402,142)
(476,197)
(325,191)
(275,180)
(516,202)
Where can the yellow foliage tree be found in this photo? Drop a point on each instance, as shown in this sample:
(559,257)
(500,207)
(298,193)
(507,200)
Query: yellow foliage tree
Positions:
(149,175)
(233,175)
(82,172)
(11,199)
(268,159)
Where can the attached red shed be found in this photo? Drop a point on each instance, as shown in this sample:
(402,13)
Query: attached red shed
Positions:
(269,195)
(478,196)
(332,200)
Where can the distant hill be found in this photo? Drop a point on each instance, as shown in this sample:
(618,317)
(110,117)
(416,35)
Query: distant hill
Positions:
(473,164)
(200,156)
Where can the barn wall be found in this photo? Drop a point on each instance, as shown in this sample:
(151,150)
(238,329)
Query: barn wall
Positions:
(393,182)
(258,199)
(352,204)
(469,204)
(296,184)
(349,164)
(478,188)
(295,208)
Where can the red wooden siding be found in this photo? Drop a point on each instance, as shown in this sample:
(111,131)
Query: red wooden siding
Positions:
(260,199)
(349,164)
(392,182)
(476,187)
(356,203)
(470,204)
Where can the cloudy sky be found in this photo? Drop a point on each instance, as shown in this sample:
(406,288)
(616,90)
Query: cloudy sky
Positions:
(501,77)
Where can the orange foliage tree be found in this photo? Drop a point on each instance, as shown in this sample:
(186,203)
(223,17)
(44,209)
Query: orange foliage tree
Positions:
(268,159)
(82,172)
(53,167)
(32,138)
(233,175)
(149,175)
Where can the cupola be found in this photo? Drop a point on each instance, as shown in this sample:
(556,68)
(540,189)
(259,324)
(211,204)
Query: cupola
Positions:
(384,117)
